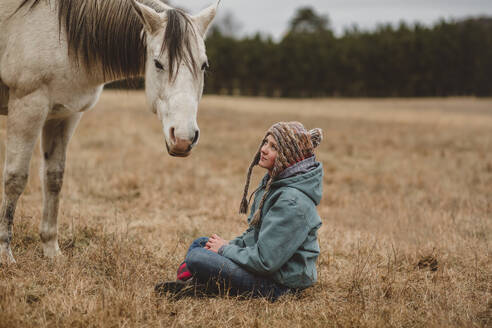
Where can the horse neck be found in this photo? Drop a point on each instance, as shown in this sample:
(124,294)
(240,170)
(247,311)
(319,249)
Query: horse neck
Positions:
(104,37)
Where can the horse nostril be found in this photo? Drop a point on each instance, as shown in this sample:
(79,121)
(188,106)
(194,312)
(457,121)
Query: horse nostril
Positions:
(197,135)
(171,134)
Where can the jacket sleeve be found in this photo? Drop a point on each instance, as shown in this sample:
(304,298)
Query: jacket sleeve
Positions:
(239,240)
(283,230)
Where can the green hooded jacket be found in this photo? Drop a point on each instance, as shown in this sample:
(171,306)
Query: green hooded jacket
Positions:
(285,246)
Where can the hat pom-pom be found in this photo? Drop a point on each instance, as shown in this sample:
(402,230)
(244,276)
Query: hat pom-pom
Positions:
(316,136)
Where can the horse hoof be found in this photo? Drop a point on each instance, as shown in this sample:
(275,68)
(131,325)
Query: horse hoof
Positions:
(51,250)
(6,256)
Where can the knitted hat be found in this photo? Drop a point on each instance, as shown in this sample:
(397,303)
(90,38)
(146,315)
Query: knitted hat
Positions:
(295,144)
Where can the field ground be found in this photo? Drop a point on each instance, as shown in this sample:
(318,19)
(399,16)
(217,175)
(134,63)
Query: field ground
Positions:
(407,183)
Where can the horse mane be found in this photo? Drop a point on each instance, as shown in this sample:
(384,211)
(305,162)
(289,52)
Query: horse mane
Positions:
(108,34)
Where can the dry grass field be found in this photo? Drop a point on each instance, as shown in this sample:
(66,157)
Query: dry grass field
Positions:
(407,217)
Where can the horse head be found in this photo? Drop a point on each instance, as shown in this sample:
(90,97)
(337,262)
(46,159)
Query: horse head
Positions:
(174,69)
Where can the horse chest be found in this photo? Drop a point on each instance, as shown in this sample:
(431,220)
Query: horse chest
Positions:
(69,102)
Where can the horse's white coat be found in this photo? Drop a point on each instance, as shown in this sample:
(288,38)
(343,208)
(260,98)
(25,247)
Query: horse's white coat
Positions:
(45,94)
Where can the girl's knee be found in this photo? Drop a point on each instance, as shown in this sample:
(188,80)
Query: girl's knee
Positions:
(199,242)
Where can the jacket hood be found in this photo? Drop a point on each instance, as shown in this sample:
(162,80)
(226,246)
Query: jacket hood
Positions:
(310,183)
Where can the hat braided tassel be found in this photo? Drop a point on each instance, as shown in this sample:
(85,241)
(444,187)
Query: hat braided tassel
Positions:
(256,220)
(257,217)
(243,208)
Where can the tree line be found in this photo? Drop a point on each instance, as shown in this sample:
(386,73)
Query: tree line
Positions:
(450,58)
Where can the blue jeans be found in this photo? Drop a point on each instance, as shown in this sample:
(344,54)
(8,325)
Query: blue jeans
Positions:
(217,271)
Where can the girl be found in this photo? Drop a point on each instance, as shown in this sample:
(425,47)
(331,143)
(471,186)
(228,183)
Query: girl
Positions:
(277,253)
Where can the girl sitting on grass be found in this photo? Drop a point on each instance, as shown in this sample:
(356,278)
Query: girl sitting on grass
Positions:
(277,253)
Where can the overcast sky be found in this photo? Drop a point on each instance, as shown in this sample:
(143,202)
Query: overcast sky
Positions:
(272,16)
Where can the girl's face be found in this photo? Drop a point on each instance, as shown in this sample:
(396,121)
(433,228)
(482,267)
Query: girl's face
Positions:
(268,153)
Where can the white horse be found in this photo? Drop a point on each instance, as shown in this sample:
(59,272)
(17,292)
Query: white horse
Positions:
(55,57)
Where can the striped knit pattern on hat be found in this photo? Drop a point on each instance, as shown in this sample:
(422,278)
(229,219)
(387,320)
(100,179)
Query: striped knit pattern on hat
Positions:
(295,144)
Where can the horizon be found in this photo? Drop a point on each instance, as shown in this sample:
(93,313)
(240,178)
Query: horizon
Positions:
(269,19)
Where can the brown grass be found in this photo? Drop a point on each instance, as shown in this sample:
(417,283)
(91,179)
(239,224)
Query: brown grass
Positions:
(406,236)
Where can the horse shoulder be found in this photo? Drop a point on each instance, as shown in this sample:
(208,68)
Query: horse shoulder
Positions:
(31,49)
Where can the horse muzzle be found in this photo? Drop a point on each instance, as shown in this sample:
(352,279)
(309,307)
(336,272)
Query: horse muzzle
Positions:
(181,147)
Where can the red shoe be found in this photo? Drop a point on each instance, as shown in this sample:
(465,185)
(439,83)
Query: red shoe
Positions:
(183,272)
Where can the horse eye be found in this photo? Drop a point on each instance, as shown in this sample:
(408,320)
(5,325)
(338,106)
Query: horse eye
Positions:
(205,66)
(158,65)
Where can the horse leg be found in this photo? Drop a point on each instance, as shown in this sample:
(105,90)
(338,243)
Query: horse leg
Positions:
(4,98)
(55,138)
(24,122)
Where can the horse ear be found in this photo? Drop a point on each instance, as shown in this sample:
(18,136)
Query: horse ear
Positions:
(163,5)
(205,18)
(150,18)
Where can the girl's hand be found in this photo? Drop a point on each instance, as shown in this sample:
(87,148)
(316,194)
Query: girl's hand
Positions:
(215,243)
